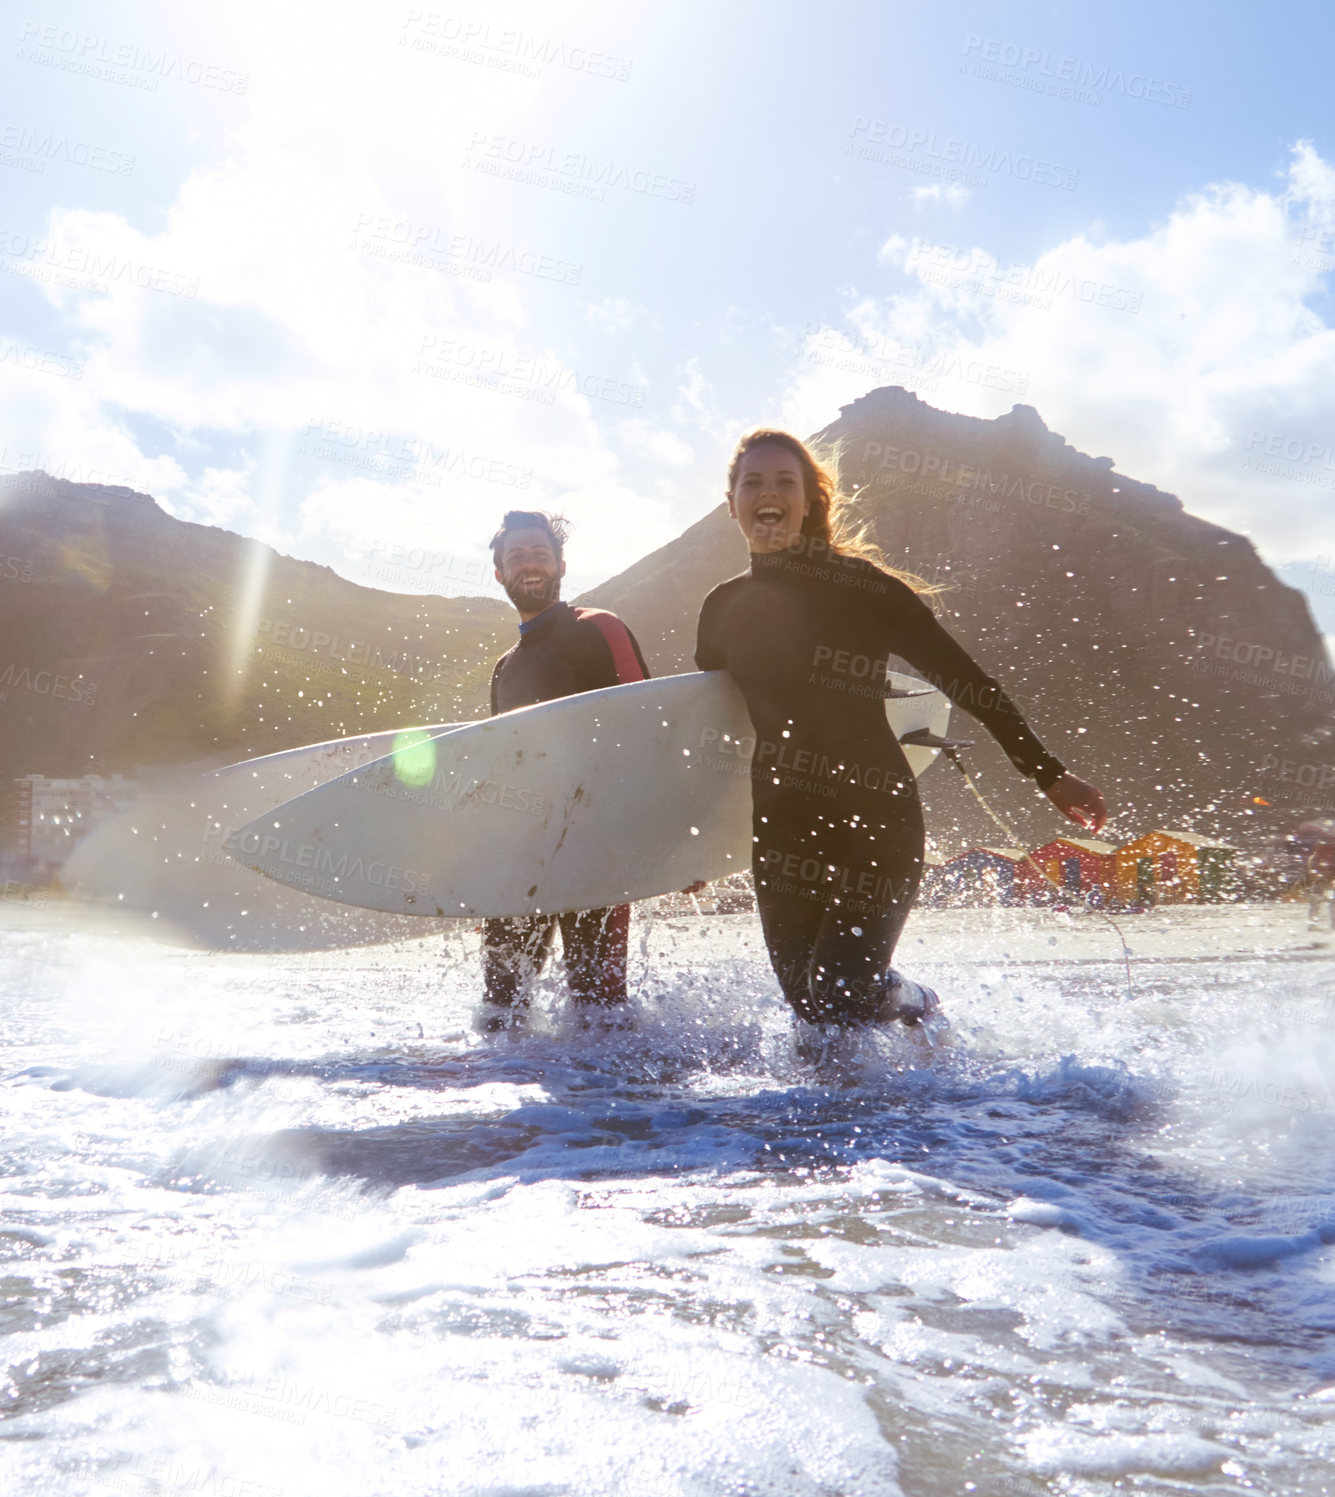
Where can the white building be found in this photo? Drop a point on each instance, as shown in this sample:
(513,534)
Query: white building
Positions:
(54,816)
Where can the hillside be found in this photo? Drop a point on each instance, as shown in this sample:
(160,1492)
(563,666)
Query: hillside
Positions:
(129,638)
(1152,650)
(1101,604)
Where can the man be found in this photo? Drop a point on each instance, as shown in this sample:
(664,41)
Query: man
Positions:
(561,651)
(1320,882)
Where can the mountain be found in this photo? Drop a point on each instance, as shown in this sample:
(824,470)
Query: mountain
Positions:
(129,638)
(1153,651)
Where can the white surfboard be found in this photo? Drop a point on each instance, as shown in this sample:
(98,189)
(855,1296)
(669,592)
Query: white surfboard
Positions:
(586,801)
(167,857)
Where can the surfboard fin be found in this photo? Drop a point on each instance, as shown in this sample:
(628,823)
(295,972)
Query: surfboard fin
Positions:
(925,738)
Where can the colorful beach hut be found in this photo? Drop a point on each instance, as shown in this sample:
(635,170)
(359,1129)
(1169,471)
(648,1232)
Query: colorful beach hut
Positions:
(1171,867)
(990,875)
(1078,865)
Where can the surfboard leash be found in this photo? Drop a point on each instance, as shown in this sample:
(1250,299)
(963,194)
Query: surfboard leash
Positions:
(952,753)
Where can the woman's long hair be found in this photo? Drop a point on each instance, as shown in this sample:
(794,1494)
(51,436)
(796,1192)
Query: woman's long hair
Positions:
(830,523)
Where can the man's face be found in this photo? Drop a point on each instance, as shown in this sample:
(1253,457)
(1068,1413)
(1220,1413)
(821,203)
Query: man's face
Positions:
(529,571)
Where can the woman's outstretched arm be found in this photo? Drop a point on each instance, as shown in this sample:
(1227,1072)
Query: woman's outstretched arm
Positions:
(929,648)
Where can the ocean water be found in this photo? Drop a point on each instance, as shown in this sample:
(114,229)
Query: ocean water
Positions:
(285,1225)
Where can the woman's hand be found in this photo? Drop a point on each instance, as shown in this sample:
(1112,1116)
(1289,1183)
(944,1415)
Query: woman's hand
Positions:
(1078,802)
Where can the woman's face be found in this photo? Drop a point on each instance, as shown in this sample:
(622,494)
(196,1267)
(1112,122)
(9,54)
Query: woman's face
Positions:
(768,500)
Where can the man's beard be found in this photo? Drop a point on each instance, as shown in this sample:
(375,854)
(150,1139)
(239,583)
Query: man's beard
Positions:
(531,598)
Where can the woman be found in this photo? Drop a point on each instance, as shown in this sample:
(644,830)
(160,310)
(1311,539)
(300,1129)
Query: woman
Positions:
(838,831)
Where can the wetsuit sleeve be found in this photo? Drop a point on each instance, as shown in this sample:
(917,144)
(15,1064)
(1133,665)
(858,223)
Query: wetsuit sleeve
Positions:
(709,654)
(619,660)
(639,657)
(495,679)
(941,660)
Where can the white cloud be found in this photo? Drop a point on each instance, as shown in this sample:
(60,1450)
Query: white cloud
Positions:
(1312,183)
(611,521)
(222,496)
(695,392)
(399,537)
(660,446)
(699,407)
(291,325)
(311,224)
(1186,354)
(615,314)
(63,428)
(952,194)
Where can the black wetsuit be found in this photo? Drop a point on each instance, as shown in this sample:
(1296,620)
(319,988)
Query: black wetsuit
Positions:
(838,830)
(562,652)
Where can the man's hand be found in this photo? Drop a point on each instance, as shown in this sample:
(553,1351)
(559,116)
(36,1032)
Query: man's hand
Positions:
(700,883)
(1078,802)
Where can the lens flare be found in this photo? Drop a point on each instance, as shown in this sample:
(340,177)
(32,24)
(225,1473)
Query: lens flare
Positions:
(414,757)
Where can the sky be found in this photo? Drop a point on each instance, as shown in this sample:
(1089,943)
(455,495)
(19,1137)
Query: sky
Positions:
(356,278)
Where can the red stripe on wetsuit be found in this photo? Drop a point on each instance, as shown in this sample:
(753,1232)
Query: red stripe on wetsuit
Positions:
(624,659)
